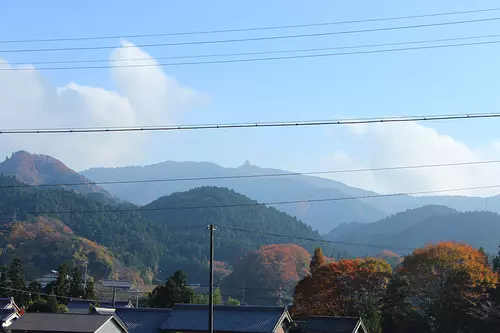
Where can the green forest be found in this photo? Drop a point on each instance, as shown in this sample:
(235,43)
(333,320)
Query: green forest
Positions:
(156,240)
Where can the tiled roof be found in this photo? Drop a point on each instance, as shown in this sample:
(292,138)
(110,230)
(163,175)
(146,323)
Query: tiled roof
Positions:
(330,324)
(248,319)
(4,302)
(52,322)
(83,306)
(5,313)
(143,320)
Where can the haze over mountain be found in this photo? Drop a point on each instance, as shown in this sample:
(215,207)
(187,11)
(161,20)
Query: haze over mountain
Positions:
(323,216)
(417,227)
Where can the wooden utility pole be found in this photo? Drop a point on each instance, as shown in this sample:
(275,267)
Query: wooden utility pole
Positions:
(211,282)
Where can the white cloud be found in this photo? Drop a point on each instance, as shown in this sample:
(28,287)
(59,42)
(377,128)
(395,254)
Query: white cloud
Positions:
(144,96)
(403,144)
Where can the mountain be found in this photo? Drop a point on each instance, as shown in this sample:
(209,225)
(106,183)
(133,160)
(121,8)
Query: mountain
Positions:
(34,169)
(165,235)
(322,216)
(418,227)
(43,244)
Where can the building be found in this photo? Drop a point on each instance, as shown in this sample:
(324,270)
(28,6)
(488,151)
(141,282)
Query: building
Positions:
(228,319)
(84,306)
(66,323)
(318,324)
(122,285)
(8,316)
(8,303)
(143,320)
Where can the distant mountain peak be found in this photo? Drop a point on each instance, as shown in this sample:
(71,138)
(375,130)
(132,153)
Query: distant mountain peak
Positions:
(39,169)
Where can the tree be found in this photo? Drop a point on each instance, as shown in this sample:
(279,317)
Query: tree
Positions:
(217,296)
(35,289)
(76,288)
(496,262)
(90,289)
(232,301)
(4,283)
(17,282)
(265,270)
(61,286)
(199,299)
(317,260)
(175,290)
(439,285)
(40,306)
(344,288)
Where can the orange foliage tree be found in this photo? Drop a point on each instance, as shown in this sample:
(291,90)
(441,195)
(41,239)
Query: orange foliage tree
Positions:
(259,277)
(341,288)
(436,287)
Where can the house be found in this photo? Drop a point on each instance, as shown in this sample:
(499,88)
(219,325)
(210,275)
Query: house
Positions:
(66,323)
(8,303)
(235,319)
(318,324)
(122,285)
(83,306)
(143,320)
(8,316)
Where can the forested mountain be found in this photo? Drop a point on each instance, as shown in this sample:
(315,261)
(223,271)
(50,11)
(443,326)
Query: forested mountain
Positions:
(164,236)
(322,216)
(420,226)
(35,169)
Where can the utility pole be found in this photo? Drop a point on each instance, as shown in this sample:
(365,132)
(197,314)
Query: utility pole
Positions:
(85,274)
(211,287)
(114,295)
(137,297)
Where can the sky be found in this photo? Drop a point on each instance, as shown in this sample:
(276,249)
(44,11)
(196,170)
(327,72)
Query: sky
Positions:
(418,82)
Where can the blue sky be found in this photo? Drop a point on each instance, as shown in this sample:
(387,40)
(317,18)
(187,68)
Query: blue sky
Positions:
(455,80)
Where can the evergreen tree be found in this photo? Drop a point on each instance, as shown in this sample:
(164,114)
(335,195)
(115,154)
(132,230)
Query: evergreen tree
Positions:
(17,282)
(90,289)
(317,260)
(4,283)
(496,262)
(76,288)
(34,288)
(61,286)
(175,290)
(217,296)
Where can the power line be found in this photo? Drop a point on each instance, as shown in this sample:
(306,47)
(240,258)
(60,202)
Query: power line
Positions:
(238,40)
(316,240)
(146,209)
(306,25)
(254,59)
(254,53)
(354,121)
(281,174)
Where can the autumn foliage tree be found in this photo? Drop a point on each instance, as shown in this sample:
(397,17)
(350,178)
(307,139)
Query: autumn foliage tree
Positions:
(436,290)
(258,276)
(343,288)
(317,260)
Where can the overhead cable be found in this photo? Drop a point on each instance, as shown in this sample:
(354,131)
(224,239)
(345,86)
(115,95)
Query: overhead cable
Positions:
(353,121)
(253,39)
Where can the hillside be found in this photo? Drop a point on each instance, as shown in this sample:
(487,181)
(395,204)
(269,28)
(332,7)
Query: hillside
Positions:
(43,244)
(322,216)
(232,210)
(417,227)
(35,169)
(164,236)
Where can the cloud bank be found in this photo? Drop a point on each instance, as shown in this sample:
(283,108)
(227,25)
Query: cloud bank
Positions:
(143,96)
(402,144)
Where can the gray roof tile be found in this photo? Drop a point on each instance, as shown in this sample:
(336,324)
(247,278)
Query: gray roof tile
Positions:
(247,319)
(330,324)
(143,320)
(53,322)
